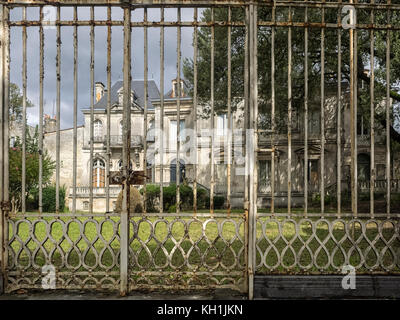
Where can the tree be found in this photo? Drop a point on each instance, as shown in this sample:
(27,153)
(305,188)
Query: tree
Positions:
(281,64)
(32,169)
(16,101)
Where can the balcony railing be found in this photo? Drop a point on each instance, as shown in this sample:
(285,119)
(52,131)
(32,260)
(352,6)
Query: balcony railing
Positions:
(85,191)
(136,140)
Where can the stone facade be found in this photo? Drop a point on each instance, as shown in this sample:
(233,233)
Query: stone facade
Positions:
(101,159)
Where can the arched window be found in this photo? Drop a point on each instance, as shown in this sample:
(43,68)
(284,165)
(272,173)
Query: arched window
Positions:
(98,173)
(98,128)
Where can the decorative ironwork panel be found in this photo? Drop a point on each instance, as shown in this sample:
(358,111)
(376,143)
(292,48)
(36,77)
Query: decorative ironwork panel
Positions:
(324,245)
(186,252)
(84,251)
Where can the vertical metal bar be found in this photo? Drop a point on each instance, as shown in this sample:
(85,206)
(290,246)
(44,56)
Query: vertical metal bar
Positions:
(126,151)
(58,73)
(355,97)
(178,114)
(75,141)
(388,154)
(162,55)
(273,113)
(108,108)
(23,192)
(91,108)
(195,53)
(353,118)
(229,133)
(5,46)
(2,164)
(146,69)
(339,124)
(212,81)
(323,114)
(306,115)
(251,150)
(289,126)
(245,127)
(372,116)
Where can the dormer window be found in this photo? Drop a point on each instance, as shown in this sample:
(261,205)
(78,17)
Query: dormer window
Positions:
(121,96)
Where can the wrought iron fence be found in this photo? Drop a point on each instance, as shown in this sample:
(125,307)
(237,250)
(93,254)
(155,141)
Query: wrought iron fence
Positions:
(296,61)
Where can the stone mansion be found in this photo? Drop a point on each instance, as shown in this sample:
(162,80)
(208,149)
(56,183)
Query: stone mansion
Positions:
(204,148)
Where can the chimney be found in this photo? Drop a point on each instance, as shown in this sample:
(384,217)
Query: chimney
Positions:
(174,93)
(50,124)
(100,89)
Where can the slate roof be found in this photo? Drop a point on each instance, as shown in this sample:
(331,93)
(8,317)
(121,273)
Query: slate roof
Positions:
(137,87)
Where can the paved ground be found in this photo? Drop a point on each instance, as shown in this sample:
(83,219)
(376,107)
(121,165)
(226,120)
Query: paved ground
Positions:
(86,295)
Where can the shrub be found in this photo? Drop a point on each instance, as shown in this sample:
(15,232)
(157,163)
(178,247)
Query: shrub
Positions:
(152,197)
(172,209)
(136,201)
(49,199)
(219,202)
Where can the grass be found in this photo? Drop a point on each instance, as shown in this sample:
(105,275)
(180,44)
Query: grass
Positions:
(216,245)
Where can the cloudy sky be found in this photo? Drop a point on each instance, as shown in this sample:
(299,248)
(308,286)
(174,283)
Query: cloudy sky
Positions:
(84,57)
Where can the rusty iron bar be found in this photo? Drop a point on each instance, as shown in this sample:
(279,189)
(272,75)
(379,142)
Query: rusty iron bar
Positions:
(273,113)
(251,150)
(58,105)
(212,83)
(92,95)
(124,223)
(75,120)
(203,3)
(388,151)
(355,106)
(2,215)
(178,116)
(305,115)
(41,78)
(109,44)
(339,124)
(24,80)
(247,247)
(146,90)
(195,106)
(162,56)
(5,46)
(352,121)
(289,125)
(183,24)
(229,97)
(323,115)
(372,117)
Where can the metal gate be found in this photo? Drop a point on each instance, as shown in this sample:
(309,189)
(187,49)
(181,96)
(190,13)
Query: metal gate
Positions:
(309,87)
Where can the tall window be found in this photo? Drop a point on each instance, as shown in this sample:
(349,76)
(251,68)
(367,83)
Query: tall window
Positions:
(172,132)
(98,128)
(313,177)
(314,121)
(264,174)
(362,126)
(363,163)
(98,173)
(222,124)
